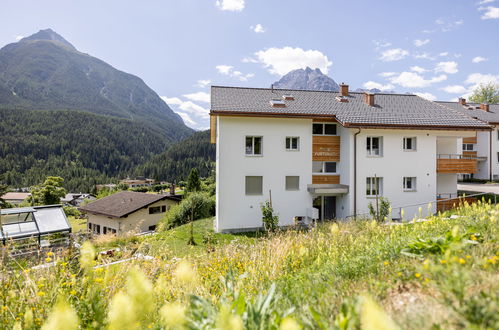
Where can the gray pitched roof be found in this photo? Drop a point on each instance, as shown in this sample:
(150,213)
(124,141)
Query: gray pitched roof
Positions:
(394,110)
(492,116)
(123,203)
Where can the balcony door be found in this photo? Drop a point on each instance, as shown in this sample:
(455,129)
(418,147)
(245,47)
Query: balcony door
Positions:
(326,206)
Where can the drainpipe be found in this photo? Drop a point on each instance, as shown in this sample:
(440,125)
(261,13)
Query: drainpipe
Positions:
(490,155)
(355,174)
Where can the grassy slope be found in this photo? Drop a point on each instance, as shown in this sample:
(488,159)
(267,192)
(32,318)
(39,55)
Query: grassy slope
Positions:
(447,282)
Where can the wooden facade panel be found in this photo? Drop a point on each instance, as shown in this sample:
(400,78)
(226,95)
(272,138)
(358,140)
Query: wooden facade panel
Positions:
(213,129)
(469,139)
(325,179)
(456,165)
(472,154)
(449,204)
(324,120)
(326,148)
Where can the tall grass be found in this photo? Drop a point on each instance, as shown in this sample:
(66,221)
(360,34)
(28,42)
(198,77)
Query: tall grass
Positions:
(438,273)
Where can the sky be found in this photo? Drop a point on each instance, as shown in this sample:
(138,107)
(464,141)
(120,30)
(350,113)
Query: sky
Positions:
(438,49)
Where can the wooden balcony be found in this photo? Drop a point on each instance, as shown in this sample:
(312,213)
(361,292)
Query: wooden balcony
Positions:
(459,164)
(325,179)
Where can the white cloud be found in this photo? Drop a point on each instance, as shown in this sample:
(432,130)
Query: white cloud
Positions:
(443,54)
(373,84)
(490,12)
(18,37)
(202,83)
(424,56)
(258,28)
(172,100)
(478,59)
(414,80)
(394,54)
(479,78)
(228,70)
(230,5)
(427,96)
(419,42)
(485,1)
(194,109)
(187,119)
(455,89)
(418,69)
(446,25)
(280,61)
(446,67)
(198,97)
(381,44)
(387,74)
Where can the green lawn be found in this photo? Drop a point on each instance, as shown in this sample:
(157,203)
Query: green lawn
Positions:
(77,224)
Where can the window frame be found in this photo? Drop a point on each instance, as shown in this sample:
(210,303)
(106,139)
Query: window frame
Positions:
(155,209)
(246,185)
(466,145)
(369,151)
(253,137)
(413,181)
(323,168)
(414,143)
(286,188)
(291,143)
(369,186)
(324,129)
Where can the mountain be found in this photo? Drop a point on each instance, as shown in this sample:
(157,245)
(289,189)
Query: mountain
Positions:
(177,161)
(307,79)
(46,72)
(69,114)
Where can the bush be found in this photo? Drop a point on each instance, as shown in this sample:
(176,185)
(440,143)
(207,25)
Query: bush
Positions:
(71,211)
(383,212)
(204,206)
(269,219)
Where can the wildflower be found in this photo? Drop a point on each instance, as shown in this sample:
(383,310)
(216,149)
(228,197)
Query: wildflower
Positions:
(121,313)
(48,259)
(289,324)
(399,273)
(468,257)
(473,237)
(185,273)
(462,261)
(386,263)
(228,321)
(443,261)
(172,315)
(73,292)
(335,229)
(87,255)
(140,290)
(98,280)
(17,326)
(50,254)
(418,275)
(40,294)
(402,213)
(28,319)
(373,317)
(62,317)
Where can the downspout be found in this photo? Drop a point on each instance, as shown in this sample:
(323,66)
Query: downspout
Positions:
(490,155)
(355,173)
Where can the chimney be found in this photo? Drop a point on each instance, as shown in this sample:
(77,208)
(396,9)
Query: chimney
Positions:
(462,101)
(344,89)
(484,107)
(172,189)
(369,98)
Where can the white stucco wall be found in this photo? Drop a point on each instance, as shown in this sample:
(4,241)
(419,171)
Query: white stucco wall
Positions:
(235,210)
(483,150)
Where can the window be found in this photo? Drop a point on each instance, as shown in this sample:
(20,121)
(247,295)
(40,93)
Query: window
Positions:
(374,146)
(152,228)
(324,167)
(409,143)
(324,129)
(292,143)
(163,208)
(253,145)
(254,185)
(155,210)
(498,157)
(409,184)
(292,183)
(373,186)
(468,146)
(498,134)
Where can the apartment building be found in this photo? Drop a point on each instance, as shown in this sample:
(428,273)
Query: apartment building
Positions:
(322,155)
(484,146)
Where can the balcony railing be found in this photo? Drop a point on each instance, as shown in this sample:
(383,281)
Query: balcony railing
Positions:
(455,156)
(456,163)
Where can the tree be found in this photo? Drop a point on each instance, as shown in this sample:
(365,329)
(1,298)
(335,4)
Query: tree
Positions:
(50,192)
(382,210)
(269,218)
(193,182)
(486,93)
(3,190)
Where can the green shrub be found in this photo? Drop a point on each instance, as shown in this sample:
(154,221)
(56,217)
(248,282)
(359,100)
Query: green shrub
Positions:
(201,203)
(71,211)
(270,220)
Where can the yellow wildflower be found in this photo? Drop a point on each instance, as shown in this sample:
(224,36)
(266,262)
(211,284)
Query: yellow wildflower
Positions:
(172,315)
(289,324)
(373,317)
(418,275)
(462,261)
(62,317)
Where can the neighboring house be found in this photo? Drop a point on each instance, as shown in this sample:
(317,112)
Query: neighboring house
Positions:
(127,211)
(15,198)
(326,155)
(138,182)
(77,199)
(484,145)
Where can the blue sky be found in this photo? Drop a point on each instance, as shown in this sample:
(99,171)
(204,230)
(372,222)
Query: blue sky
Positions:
(438,48)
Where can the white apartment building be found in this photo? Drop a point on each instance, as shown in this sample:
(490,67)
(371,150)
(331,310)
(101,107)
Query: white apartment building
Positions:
(321,155)
(484,146)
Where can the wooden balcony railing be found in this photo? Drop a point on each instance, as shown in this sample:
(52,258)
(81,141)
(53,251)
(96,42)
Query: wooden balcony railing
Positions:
(455,163)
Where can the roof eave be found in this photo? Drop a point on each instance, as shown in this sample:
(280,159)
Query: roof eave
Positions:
(429,127)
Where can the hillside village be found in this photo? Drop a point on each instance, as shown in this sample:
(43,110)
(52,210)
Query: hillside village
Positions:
(205,193)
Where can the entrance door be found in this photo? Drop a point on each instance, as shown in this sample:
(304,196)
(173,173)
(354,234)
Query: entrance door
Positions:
(329,208)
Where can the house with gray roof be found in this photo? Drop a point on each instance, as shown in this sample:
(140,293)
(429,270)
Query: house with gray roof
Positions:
(128,211)
(322,155)
(485,144)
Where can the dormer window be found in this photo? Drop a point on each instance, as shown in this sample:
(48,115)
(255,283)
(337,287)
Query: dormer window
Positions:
(288,97)
(277,103)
